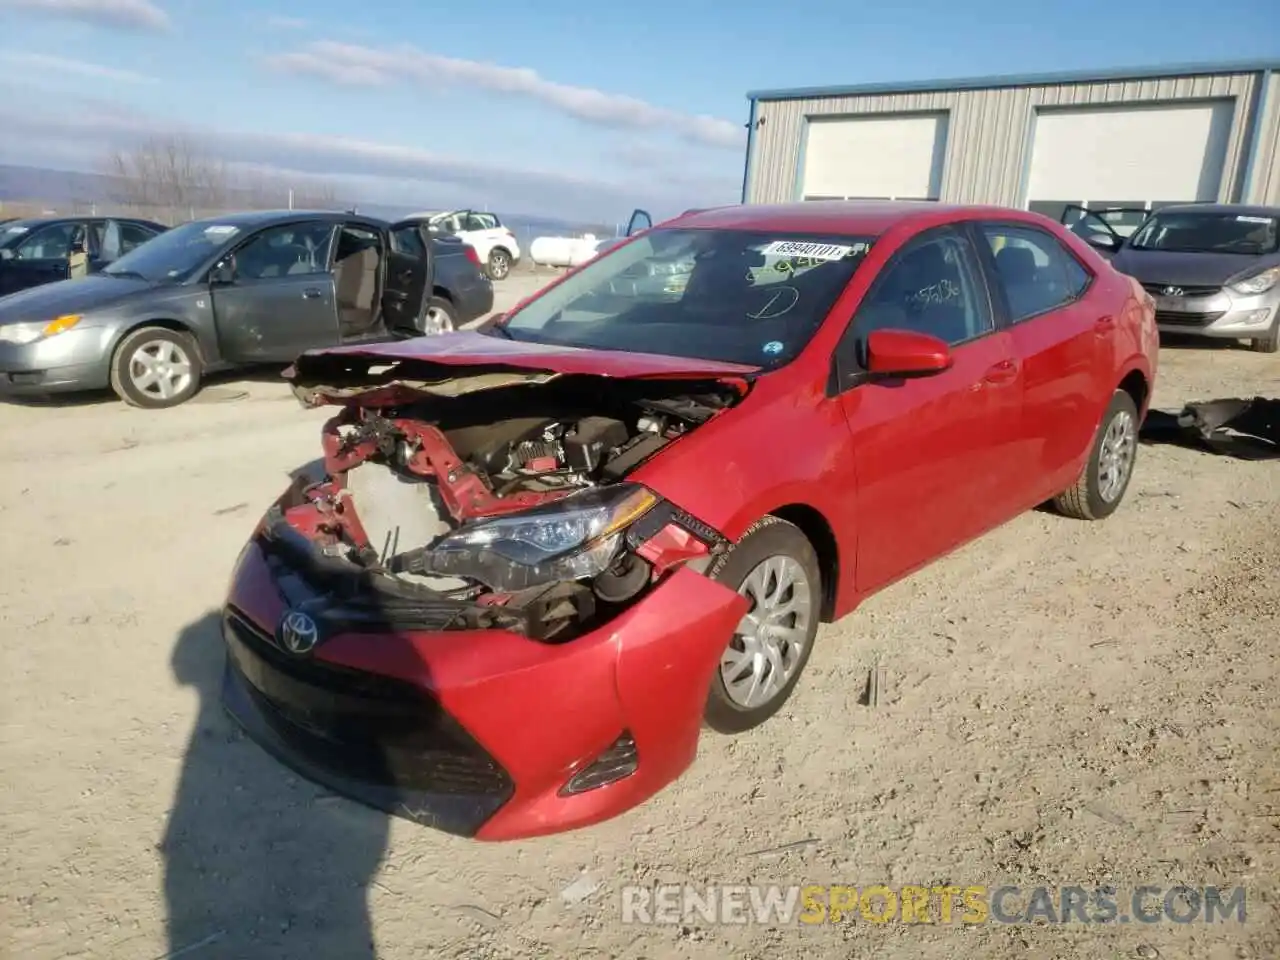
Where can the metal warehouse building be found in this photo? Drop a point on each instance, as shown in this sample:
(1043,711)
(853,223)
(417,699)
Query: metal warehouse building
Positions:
(1141,137)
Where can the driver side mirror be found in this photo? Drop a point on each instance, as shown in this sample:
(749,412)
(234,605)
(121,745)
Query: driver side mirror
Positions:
(223,272)
(6,254)
(905,353)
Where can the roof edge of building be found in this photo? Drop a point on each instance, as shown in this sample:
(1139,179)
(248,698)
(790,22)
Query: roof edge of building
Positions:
(1019,80)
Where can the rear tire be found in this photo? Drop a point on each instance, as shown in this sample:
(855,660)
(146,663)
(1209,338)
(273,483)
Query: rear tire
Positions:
(155,367)
(774,565)
(441,316)
(1105,479)
(499,264)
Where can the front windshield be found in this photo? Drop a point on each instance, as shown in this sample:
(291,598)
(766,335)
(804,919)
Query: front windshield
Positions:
(742,297)
(1209,232)
(175,254)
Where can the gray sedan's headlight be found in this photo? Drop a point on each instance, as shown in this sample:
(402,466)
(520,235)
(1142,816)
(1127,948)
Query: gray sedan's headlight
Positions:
(571,539)
(1258,283)
(30,332)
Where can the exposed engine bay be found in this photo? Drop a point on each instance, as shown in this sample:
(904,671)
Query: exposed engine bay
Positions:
(511,502)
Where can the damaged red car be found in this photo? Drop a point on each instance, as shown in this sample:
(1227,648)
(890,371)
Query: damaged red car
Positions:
(534,560)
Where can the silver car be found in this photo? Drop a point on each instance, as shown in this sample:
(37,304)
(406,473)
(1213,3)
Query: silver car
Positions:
(1213,269)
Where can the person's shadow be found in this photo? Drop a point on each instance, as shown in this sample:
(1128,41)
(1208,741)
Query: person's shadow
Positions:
(257,861)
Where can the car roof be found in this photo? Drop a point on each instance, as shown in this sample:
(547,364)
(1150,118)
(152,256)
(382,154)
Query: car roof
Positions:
(250,219)
(1231,209)
(852,217)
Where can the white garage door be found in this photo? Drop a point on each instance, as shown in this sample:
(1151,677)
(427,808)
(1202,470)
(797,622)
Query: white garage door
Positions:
(880,158)
(1128,157)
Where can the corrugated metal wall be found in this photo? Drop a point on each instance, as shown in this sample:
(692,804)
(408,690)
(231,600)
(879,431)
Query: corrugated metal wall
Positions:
(989,131)
(1266,163)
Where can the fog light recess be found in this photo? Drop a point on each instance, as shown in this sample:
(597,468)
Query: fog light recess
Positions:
(618,762)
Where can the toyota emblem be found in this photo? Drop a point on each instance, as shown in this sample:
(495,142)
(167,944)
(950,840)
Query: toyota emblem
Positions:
(1173,291)
(298,632)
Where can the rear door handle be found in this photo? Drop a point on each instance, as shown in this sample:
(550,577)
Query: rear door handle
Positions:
(1001,372)
(1104,326)
(312,294)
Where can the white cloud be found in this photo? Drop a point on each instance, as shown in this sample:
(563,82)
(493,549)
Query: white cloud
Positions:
(68,65)
(122,14)
(81,136)
(368,66)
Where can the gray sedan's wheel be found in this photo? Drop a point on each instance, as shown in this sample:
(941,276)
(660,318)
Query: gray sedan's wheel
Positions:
(1106,476)
(441,317)
(774,566)
(154,367)
(1268,344)
(499,264)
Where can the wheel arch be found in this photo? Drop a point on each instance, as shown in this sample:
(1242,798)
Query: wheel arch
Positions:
(1136,383)
(164,323)
(818,531)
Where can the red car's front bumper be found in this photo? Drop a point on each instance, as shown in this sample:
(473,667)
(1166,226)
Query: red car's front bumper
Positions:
(478,731)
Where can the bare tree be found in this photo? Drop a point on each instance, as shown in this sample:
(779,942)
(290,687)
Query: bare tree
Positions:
(171,176)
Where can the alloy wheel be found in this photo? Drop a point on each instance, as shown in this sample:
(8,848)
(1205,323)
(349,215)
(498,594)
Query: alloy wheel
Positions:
(1115,458)
(768,645)
(160,369)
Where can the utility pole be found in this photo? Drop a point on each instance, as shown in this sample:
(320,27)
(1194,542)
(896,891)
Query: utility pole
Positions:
(291,198)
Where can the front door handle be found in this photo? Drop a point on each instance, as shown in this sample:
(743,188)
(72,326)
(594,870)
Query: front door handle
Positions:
(1104,326)
(312,294)
(1002,372)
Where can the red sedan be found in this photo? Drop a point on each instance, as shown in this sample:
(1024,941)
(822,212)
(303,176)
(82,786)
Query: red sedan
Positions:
(536,559)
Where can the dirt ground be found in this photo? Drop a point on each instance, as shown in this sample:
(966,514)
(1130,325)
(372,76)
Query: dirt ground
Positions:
(1068,703)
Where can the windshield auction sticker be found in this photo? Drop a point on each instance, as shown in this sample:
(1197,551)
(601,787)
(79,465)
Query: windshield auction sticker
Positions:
(811,251)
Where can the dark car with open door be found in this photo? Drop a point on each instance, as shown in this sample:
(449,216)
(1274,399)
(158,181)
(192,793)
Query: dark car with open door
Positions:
(1213,268)
(48,249)
(251,288)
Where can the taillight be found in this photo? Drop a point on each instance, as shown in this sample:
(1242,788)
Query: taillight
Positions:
(471,254)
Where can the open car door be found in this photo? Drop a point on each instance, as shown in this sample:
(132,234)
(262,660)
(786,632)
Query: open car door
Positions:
(1105,228)
(640,220)
(410,276)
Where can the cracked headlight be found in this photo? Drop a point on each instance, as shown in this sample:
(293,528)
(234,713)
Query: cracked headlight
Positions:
(576,538)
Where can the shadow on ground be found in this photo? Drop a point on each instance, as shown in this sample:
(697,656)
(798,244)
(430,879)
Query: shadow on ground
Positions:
(257,862)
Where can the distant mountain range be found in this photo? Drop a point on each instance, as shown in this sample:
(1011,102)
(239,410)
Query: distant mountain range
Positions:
(65,191)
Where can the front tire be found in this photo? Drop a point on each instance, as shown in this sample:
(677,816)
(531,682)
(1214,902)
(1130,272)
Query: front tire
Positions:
(1102,484)
(499,264)
(154,368)
(775,567)
(1268,344)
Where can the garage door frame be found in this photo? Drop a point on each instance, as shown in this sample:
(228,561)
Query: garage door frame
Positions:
(945,113)
(1029,143)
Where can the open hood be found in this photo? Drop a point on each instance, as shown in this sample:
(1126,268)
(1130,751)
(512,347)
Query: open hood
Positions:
(463,362)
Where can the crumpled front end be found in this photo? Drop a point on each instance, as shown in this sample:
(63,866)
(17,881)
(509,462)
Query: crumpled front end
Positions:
(472,618)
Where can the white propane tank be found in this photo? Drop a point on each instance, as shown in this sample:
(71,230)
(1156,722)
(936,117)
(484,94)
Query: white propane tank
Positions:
(563,251)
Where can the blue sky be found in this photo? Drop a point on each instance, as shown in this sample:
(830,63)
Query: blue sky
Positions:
(553,108)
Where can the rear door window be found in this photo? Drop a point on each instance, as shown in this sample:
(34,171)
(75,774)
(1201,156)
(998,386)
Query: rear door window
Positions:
(1033,271)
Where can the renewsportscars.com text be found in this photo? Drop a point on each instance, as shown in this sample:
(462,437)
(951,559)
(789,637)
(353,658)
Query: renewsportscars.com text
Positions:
(817,904)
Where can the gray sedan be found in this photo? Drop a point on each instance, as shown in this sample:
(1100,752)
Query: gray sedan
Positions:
(233,291)
(1213,269)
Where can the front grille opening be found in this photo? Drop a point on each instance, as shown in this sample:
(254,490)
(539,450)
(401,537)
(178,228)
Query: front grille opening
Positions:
(359,725)
(1180,319)
(618,762)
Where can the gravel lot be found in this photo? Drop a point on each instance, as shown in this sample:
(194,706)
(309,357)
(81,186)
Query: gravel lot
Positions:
(1069,703)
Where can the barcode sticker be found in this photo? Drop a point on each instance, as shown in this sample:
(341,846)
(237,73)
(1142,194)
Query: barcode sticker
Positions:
(812,251)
